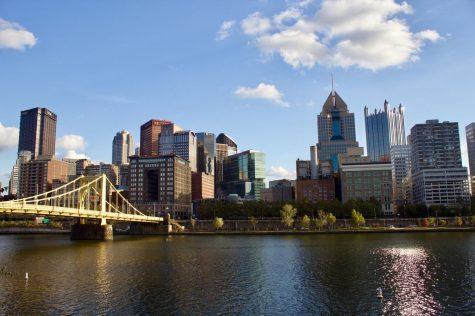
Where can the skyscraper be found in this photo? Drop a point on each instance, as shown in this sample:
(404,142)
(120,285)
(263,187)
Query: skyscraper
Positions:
(384,129)
(14,184)
(438,177)
(167,138)
(150,137)
(206,145)
(470,133)
(184,146)
(38,132)
(225,146)
(400,169)
(336,130)
(122,148)
(244,174)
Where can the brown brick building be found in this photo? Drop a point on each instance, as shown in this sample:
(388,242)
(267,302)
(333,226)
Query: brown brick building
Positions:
(150,137)
(202,186)
(37,175)
(315,189)
(160,183)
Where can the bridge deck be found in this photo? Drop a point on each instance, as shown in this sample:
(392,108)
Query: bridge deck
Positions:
(45,210)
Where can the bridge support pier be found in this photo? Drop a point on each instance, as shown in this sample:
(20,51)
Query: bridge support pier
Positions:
(91,232)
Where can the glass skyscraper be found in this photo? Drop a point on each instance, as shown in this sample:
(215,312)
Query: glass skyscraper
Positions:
(384,129)
(336,130)
(206,152)
(244,174)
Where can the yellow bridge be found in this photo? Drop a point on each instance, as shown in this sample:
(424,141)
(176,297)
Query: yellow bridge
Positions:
(82,198)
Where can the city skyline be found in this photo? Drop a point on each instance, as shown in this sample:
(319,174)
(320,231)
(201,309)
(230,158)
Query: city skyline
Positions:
(291,111)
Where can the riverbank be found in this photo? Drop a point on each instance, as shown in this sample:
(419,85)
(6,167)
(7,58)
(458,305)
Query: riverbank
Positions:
(32,230)
(334,231)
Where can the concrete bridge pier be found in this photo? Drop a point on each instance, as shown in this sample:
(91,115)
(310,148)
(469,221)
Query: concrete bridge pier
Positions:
(83,231)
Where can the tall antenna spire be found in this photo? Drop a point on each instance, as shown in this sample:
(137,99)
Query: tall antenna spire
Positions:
(333,92)
(332,82)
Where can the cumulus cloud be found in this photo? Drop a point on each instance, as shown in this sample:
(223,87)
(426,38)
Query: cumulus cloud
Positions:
(71,142)
(72,154)
(262,91)
(276,173)
(255,24)
(8,137)
(369,34)
(15,36)
(223,31)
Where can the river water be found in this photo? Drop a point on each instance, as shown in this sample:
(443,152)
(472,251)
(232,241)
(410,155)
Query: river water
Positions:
(419,273)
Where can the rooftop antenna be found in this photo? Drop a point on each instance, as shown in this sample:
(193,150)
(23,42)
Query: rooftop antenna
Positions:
(333,92)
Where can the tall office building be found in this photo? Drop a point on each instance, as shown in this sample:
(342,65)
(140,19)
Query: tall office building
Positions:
(38,132)
(122,148)
(336,130)
(225,146)
(400,169)
(167,138)
(384,129)
(206,152)
(150,137)
(438,177)
(470,133)
(366,181)
(184,146)
(244,174)
(232,147)
(14,184)
(37,176)
(161,184)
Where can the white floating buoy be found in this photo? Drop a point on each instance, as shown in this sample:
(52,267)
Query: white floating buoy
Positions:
(26,276)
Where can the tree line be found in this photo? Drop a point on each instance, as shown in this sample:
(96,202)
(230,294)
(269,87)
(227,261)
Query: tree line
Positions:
(210,209)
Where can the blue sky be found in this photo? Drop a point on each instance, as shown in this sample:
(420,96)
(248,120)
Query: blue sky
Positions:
(256,70)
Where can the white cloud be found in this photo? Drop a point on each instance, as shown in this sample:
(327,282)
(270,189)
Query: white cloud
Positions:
(72,154)
(298,49)
(370,34)
(262,91)
(8,137)
(15,36)
(223,31)
(276,173)
(71,142)
(255,24)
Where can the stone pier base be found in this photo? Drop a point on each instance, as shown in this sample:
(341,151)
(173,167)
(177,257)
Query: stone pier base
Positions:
(92,232)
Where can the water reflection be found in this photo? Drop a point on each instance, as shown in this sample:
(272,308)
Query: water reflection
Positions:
(183,275)
(409,281)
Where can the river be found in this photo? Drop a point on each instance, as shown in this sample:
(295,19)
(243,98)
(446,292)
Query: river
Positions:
(419,273)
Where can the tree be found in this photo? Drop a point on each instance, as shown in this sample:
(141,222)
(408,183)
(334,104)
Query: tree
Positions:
(425,222)
(253,221)
(287,215)
(218,223)
(331,219)
(431,221)
(458,221)
(305,222)
(443,222)
(319,223)
(193,223)
(358,218)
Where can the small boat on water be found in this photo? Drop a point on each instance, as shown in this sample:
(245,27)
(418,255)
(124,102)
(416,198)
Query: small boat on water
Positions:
(379,293)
